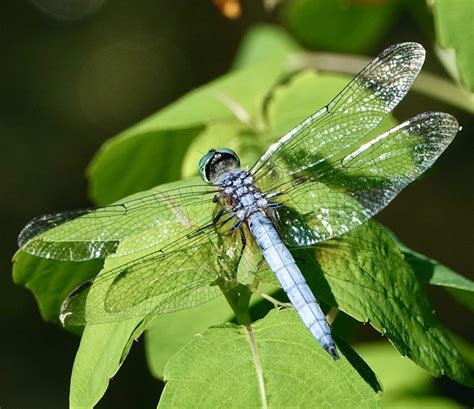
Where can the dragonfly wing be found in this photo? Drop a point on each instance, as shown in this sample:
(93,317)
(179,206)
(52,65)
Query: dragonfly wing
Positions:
(96,233)
(351,115)
(181,274)
(335,197)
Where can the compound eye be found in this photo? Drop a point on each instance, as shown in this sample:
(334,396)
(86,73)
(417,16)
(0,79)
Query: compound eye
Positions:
(203,162)
(230,153)
(216,162)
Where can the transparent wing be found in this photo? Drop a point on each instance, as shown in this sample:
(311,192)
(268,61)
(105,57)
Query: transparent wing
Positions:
(336,196)
(96,233)
(182,273)
(353,113)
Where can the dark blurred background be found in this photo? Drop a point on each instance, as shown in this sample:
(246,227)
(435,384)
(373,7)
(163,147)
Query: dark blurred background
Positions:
(75,73)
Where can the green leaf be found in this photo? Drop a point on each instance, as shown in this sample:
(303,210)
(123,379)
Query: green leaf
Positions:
(440,274)
(138,157)
(50,281)
(405,384)
(433,272)
(103,348)
(261,41)
(453,25)
(137,154)
(424,402)
(366,276)
(466,348)
(170,332)
(464,297)
(389,365)
(275,360)
(338,25)
(230,134)
(102,351)
(303,95)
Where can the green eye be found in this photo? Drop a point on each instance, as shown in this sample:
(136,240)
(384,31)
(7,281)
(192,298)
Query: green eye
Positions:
(203,162)
(215,161)
(228,151)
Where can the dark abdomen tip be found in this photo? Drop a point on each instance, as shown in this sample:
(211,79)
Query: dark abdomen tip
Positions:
(333,352)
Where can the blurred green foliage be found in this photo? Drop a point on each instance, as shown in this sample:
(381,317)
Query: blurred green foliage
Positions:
(455,33)
(405,384)
(312,22)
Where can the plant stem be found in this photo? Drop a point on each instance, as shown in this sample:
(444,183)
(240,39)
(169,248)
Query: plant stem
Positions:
(238,298)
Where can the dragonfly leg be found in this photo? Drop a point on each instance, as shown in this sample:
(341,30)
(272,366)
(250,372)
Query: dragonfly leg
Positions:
(274,205)
(244,243)
(230,276)
(200,230)
(228,219)
(218,215)
(236,225)
(273,195)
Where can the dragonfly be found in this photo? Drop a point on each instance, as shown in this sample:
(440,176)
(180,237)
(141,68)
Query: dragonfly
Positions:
(177,246)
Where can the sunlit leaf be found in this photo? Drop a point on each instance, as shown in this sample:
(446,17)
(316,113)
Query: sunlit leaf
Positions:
(105,346)
(454,32)
(170,332)
(275,360)
(101,353)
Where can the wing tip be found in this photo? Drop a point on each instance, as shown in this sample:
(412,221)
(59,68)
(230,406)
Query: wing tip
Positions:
(414,46)
(45,222)
(443,117)
(416,52)
(65,315)
(26,234)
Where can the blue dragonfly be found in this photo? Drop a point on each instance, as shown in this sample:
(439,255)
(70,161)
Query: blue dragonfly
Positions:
(180,245)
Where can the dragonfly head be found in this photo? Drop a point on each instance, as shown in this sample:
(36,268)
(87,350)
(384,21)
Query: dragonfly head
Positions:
(216,162)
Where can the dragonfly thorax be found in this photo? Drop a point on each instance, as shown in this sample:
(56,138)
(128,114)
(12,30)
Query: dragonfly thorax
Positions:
(240,195)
